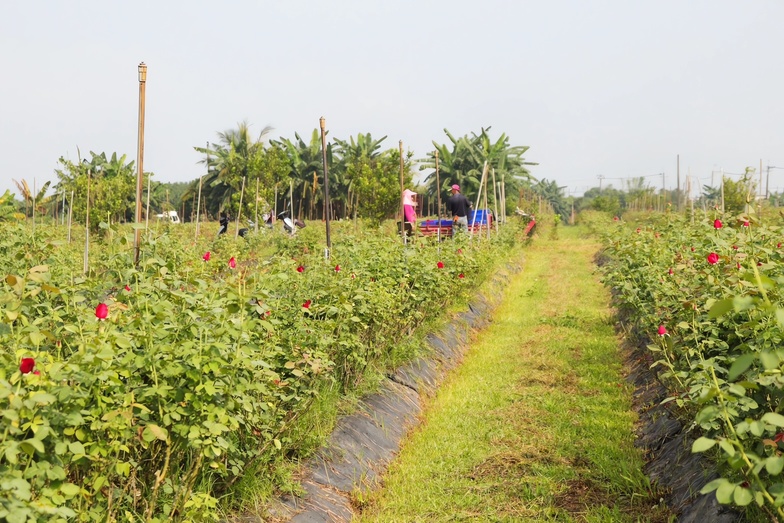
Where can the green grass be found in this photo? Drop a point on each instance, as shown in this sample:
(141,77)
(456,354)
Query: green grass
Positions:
(536,425)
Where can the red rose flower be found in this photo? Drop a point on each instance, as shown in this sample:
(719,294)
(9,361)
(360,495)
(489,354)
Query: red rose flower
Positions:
(26,365)
(670,271)
(353,276)
(300,269)
(735,247)
(36,373)
(778,245)
(746,223)
(102,311)
(306,305)
(206,256)
(662,330)
(232,262)
(440,265)
(128,288)
(337,268)
(717,224)
(615,218)
(713,258)
(461,275)
(692,249)
(459,251)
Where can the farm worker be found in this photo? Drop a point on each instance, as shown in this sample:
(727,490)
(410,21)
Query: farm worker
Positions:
(458,205)
(409,202)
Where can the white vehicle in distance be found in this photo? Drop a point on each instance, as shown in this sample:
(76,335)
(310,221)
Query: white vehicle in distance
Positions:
(169,216)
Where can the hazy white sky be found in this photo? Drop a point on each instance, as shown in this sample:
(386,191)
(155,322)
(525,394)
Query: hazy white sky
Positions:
(614,87)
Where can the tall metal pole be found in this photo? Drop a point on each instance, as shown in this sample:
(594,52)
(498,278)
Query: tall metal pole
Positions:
(139,163)
(323,125)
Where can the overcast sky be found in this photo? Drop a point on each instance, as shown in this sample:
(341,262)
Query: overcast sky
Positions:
(616,88)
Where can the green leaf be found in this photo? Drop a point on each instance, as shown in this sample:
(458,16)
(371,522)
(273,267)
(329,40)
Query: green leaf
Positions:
(34,443)
(773,418)
(152,432)
(727,447)
(720,308)
(774,465)
(741,365)
(780,317)
(770,360)
(76,448)
(742,496)
(724,493)
(702,444)
(70,490)
(713,485)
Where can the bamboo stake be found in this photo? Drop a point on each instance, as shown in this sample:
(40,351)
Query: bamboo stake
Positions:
(402,199)
(438,208)
(239,213)
(495,204)
(487,218)
(256,214)
(34,195)
(70,216)
(198,210)
(478,196)
(87,228)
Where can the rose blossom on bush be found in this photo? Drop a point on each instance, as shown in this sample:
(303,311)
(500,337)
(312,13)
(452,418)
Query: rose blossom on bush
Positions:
(662,330)
(713,258)
(26,365)
(440,265)
(717,224)
(102,311)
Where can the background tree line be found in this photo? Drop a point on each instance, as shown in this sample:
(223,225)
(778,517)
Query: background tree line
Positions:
(254,174)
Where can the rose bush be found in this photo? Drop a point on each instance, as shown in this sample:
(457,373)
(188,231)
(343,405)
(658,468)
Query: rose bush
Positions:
(722,310)
(153,403)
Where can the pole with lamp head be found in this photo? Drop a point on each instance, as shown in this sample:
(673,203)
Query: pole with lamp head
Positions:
(139,163)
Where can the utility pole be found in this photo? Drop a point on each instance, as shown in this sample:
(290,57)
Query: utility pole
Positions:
(601,177)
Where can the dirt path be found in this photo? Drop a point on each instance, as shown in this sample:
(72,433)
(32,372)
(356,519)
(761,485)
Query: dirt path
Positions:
(536,424)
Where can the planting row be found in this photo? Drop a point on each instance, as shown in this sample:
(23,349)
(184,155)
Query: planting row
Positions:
(145,393)
(709,294)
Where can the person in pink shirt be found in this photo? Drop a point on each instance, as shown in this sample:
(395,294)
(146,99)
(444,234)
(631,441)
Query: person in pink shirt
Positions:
(409,204)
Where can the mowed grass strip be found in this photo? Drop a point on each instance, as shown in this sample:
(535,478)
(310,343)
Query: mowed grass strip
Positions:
(536,424)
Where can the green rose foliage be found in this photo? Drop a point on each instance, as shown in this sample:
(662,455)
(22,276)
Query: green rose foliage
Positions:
(199,371)
(722,355)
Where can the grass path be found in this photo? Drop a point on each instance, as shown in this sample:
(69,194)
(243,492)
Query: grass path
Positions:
(536,424)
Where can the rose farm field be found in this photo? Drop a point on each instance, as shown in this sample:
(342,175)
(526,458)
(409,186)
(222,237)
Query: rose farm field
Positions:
(708,294)
(171,390)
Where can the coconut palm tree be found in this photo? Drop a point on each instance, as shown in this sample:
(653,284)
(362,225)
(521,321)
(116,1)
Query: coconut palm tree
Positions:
(237,156)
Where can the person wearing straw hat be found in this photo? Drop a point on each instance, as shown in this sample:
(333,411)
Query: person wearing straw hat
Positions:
(409,204)
(459,206)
